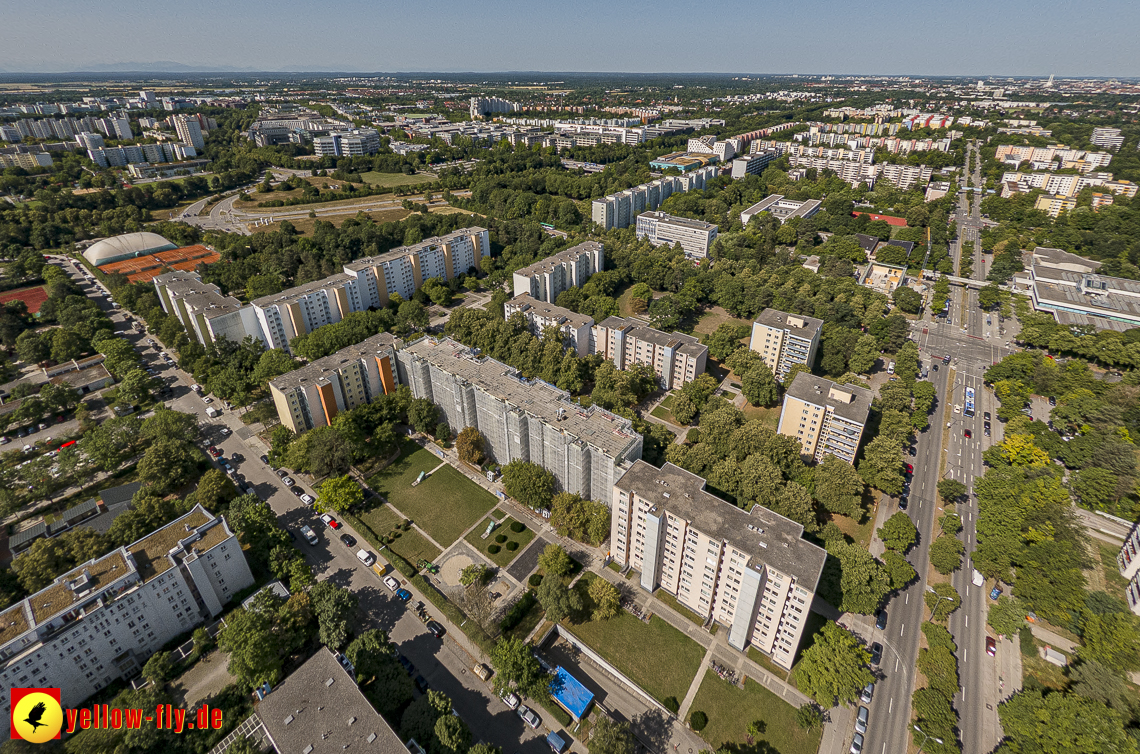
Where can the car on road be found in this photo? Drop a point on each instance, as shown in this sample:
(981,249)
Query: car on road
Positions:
(995,592)
(225,431)
(903,503)
(986,415)
(422,684)
(264,459)
(482,671)
(528,716)
(967,434)
(403,595)
(309,535)
(297,491)
(876,653)
(436,630)
(391,583)
(991,646)
(510,699)
(881,620)
(365,557)
(867,693)
(348,539)
(861,720)
(909,469)
(329,521)
(856,744)
(307,499)
(287,481)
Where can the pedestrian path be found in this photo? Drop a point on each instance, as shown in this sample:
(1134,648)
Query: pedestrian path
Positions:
(687,702)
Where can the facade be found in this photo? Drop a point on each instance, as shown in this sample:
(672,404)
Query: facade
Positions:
(695,236)
(313,395)
(1128,561)
(354,143)
(539,315)
(753,164)
(1109,138)
(483,106)
(546,278)
(102,620)
(587,449)
(368,282)
(189,130)
(784,340)
(827,418)
(204,311)
(676,359)
(780,208)
(619,210)
(751,572)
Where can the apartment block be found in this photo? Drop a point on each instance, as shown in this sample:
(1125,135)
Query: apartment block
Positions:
(1128,560)
(1109,138)
(189,130)
(205,312)
(587,449)
(540,315)
(1055,205)
(619,210)
(354,143)
(368,282)
(102,620)
(780,208)
(754,164)
(784,340)
(825,417)
(752,572)
(315,394)
(695,236)
(676,359)
(546,278)
(905,177)
(26,160)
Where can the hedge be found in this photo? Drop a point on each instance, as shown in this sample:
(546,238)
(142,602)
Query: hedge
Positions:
(398,562)
(556,712)
(517,612)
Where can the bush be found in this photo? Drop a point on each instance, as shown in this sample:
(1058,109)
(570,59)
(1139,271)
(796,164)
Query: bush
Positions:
(518,527)
(698,720)
(1025,640)
(501,538)
(493,549)
(555,711)
(517,612)
(535,580)
(672,704)
(512,545)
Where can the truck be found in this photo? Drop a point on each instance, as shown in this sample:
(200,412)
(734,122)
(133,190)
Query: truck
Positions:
(212,412)
(978,578)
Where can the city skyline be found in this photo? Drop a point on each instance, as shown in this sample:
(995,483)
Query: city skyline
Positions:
(884,38)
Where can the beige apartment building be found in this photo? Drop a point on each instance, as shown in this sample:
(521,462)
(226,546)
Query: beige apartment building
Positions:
(825,417)
(540,315)
(752,572)
(784,340)
(676,359)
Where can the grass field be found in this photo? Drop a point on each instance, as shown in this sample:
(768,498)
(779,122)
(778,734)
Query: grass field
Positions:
(730,710)
(681,610)
(411,545)
(395,179)
(504,557)
(306,225)
(714,318)
(1115,583)
(770,416)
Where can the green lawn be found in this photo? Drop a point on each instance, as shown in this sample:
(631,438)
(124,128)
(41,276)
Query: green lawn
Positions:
(504,557)
(394,179)
(731,709)
(623,641)
(672,602)
(410,545)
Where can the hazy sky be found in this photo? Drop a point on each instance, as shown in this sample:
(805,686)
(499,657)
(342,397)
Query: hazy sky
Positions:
(952,37)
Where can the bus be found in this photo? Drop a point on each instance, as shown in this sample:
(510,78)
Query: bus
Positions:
(548,226)
(969,401)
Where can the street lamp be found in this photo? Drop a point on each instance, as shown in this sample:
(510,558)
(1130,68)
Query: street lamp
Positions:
(935,608)
(926,737)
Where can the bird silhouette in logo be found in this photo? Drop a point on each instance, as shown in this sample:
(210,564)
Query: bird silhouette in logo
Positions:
(34,716)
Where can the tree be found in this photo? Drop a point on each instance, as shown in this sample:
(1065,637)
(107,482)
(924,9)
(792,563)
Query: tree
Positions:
(66,344)
(470,444)
(946,554)
(833,670)
(516,667)
(412,314)
(335,608)
(421,715)
(838,486)
(882,465)
(249,637)
(898,532)
(606,599)
(809,717)
(213,490)
(1062,723)
(863,581)
(451,734)
(907,299)
(33,347)
(339,494)
(951,490)
(529,483)
(942,601)
(167,464)
(159,668)
(865,355)
(135,387)
(759,386)
(1007,615)
(326,452)
(422,414)
(583,520)
(610,737)
(1112,640)
(558,601)
(555,561)
(166,423)
(1091,679)
(476,573)
(899,571)
(989,296)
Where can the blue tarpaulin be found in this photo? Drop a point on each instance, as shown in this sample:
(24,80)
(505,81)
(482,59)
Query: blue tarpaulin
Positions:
(573,696)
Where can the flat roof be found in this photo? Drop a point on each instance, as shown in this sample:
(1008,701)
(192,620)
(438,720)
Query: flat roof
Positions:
(807,387)
(314,371)
(59,597)
(1058,258)
(566,255)
(570,693)
(613,434)
(298,292)
(791,322)
(13,622)
(150,552)
(81,377)
(319,709)
(403,251)
(682,221)
(686,344)
(765,535)
(530,305)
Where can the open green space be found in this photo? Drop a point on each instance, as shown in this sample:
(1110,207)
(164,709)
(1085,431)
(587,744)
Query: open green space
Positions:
(410,545)
(373,178)
(680,609)
(1114,582)
(731,709)
(504,556)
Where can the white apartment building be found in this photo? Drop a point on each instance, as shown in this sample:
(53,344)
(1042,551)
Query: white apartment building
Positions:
(827,418)
(587,449)
(88,140)
(723,150)
(26,160)
(780,208)
(483,106)
(784,340)
(540,315)
(189,130)
(751,572)
(1067,184)
(114,128)
(905,176)
(1109,138)
(619,210)
(354,143)
(695,236)
(102,620)
(547,278)
(676,359)
(754,164)
(204,311)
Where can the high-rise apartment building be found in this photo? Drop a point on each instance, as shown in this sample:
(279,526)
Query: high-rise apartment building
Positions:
(751,572)
(825,417)
(546,278)
(784,340)
(313,395)
(619,210)
(695,236)
(102,620)
(202,308)
(753,164)
(483,106)
(1109,138)
(587,449)
(189,130)
(88,140)
(675,358)
(354,143)
(539,315)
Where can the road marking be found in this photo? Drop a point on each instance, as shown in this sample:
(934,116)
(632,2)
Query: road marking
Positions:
(896,663)
(907,600)
(891,706)
(901,629)
(967,626)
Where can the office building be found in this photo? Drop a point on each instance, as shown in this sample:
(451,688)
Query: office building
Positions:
(546,278)
(1070,288)
(354,143)
(587,449)
(1109,138)
(189,130)
(102,620)
(827,418)
(753,164)
(751,572)
(368,282)
(314,394)
(205,312)
(784,340)
(540,315)
(780,208)
(695,236)
(676,359)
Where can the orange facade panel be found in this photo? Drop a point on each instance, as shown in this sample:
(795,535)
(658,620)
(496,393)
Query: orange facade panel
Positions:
(328,402)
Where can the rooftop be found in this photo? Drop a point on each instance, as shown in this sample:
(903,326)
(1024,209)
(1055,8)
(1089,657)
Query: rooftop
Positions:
(78,584)
(82,377)
(146,267)
(152,552)
(314,371)
(402,251)
(686,344)
(532,306)
(613,434)
(567,255)
(319,709)
(765,535)
(682,221)
(847,401)
(297,293)
(1044,256)
(13,622)
(796,324)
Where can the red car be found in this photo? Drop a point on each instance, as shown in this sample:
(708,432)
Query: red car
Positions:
(909,469)
(330,522)
(991,646)
(213,450)
(968,434)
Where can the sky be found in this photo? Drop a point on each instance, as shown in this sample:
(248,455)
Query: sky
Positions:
(918,37)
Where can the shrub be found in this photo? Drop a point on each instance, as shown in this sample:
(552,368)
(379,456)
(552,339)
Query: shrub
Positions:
(512,545)
(1025,641)
(671,704)
(517,612)
(493,549)
(518,526)
(501,538)
(535,580)
(698,720)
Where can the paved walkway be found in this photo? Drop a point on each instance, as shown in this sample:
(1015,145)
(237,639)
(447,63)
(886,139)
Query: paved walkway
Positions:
(1053,639)
(695,686)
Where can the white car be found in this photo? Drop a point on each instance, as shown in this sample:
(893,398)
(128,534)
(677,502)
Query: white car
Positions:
(391,583)
(207,399)
(510,699)
(225,431)
(307,499)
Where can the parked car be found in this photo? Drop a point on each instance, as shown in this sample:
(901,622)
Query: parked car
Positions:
(330,522)
(229,469)
(856,744)
(909,468)
(995,593)
(309,535)
(225,431)
(307,499)
(348,539)
(296,490)
(510,699)
(403,595)
(903,503)
(482,671)
(237,456)
(264,459)
(391,583)
(422,684)
(881,620)
(436,630)
(287,481)
(861,720)
(876,653)
(365,557)
(868,693)
(406,663)
(529,717)
(991,646)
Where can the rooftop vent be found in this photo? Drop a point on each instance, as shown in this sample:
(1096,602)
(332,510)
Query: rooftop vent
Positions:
(289,719)
(329,682)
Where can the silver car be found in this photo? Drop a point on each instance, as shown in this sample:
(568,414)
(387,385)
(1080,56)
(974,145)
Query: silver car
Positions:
(529,717)
(861,720)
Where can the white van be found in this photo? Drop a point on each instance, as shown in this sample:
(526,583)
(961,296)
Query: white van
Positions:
(309,535)
(365,557)
(891,368)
